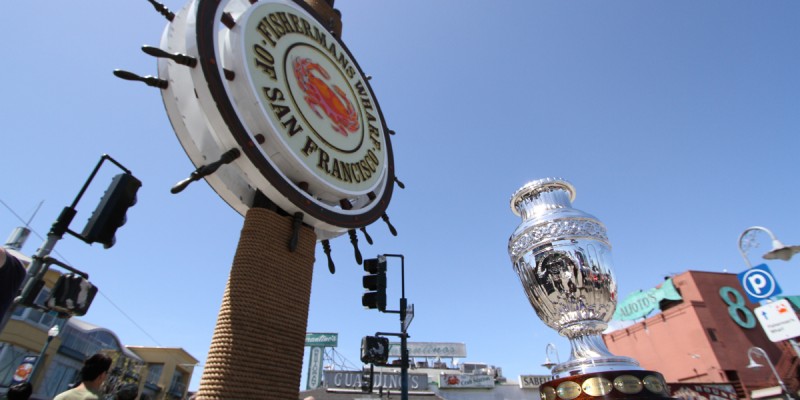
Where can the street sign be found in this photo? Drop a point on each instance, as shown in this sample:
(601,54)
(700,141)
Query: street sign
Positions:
(759,283)
(409,317)
(779,320)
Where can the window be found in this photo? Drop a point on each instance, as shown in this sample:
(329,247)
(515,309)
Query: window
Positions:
(59,377)
(154,373)
(37,317)
(712,334)
(176,388)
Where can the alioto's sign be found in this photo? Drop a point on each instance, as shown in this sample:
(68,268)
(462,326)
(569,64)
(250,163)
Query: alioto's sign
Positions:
(641,303)
(274,83)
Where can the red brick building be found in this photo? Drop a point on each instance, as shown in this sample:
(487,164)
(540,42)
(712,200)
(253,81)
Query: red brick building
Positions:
(705,337)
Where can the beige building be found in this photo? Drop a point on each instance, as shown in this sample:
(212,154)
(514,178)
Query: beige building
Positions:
(168,372)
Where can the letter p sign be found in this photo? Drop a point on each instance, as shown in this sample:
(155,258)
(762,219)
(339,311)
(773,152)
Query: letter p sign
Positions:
(759,284)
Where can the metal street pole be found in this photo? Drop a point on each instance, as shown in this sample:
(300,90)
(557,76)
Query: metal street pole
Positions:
(759,351)
(38,265)
(403,327)
(51,334)
(38,268)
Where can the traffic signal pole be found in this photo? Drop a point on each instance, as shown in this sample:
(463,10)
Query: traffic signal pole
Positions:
(403,328)
(38,268)
(38,265)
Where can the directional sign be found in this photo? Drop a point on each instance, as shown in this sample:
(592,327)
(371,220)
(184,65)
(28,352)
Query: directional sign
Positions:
(759,283)
(409,317)
(779,320)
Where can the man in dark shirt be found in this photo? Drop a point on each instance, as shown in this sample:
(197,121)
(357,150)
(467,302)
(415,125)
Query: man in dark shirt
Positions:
(12,273)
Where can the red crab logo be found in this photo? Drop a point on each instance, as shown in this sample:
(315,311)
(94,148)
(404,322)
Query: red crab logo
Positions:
(318,95)
(452,380)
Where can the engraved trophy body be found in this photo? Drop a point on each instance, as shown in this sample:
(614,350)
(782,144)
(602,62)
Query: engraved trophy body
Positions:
(563,258)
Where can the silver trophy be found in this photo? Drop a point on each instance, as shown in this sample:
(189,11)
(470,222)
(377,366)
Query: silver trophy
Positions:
(563,258)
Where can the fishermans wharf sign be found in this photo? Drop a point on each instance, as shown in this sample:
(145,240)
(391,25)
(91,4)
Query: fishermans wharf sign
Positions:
(275,84)
(310,91)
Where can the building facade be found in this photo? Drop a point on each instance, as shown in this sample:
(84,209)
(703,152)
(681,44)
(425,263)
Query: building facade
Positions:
(705,337)
(52,364)
(437,380)
(159,373)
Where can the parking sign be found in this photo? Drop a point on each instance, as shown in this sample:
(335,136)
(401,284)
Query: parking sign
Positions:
(758,283)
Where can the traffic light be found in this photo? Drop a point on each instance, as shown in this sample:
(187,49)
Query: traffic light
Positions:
(110,213)
(72,294)
(375,283)
(375,350)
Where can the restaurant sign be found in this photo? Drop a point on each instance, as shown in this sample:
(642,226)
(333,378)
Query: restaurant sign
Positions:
(533,381)
(703,391)
(641,303)
(465,381)
(385,380)
(322,339)
(430,349)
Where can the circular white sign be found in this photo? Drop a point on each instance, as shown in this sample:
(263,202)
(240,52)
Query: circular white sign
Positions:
(274,83)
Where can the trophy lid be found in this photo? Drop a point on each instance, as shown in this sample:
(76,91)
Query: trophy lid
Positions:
(532,189)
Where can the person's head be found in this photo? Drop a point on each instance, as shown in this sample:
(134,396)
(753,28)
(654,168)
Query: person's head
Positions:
(95,366)
(20,391)
(128,391)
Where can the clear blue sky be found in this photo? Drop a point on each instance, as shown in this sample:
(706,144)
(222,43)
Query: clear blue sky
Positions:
(677,121)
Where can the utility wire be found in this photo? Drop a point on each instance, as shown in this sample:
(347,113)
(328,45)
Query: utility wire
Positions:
(128,317)
(27,225)
(68,262)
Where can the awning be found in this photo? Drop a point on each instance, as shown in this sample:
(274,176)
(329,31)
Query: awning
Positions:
(767,393)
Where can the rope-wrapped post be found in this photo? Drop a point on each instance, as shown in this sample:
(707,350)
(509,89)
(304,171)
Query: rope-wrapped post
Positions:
(257,348)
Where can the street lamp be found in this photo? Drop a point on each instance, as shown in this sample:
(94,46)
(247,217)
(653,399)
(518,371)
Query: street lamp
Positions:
(779,250)
(759,351)
(547,363)
(51,334)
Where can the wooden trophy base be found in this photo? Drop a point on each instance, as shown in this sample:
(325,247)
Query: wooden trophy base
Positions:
(630,384)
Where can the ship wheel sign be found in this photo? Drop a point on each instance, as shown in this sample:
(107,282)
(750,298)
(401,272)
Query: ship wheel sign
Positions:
(263,88)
